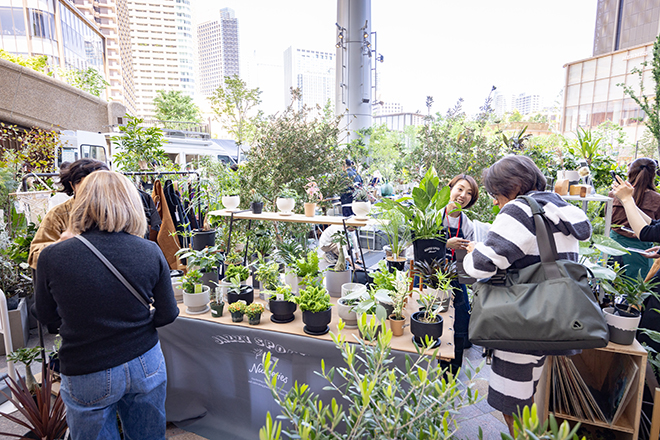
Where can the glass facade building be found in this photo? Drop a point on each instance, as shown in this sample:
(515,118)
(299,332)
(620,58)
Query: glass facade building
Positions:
(54,28)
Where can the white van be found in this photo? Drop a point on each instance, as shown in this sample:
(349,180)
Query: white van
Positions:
(82,144)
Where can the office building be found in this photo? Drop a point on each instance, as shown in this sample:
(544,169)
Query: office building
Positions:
(623,39)
(527,103)
(386,108)
(311,71)
(217,48)
(111,18)
(55,29)
(162,49)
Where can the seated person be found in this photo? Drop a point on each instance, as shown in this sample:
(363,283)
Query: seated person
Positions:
(330,251)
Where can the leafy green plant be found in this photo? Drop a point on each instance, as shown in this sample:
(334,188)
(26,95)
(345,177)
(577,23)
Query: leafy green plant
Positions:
(26,356)
(527,426)
(283,293)
(360,194)
(254,310)
(88,80)
(256,196)
(174,106)
(268,273)
(383,278)
(38,63)
(235,285)
(516,142)
(139,146)
(308,267)
(425,214)
(234,270)
(289,251)
(402,286)
(313,299)
(207,259)
(369,302)
(396,229)
(632,290)
(287,193)
(436,274)
(376,400)
(189,280)
(238,306)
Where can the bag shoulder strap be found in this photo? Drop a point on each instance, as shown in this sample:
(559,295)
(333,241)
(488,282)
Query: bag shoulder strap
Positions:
(544,238)
(114,270)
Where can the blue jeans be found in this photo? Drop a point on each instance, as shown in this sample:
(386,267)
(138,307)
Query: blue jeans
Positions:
(135,389)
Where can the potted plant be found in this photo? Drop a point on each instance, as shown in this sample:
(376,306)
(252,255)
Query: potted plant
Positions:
(206,260)
(237,270)
(288,253)
(257,204)
(231,199)
(361,205)
(26,356)
(254,311)
(313,196)
(424,216)
(195,295)
(314,302)
(426,325)
(268,274)
(286,201)
(217,303)
(437,275)
(282,305)
(399,296)
(307,270)
(623,318)
(396,230)
(238,291)
(237,310)
(345,309)
(338,275)
(369,302)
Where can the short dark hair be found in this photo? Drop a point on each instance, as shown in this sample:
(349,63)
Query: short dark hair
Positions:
(512,176)
(348,162)
(473,186)
(77,171)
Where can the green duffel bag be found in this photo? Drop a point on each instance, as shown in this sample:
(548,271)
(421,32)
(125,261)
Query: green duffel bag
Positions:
(547,306)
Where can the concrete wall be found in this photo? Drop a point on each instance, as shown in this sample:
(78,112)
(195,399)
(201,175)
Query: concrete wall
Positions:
(32,99)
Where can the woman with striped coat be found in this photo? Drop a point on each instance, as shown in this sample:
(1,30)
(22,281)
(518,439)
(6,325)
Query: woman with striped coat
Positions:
(511,243)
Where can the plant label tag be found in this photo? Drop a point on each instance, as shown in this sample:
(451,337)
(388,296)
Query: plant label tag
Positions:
(198,288)
(279,297)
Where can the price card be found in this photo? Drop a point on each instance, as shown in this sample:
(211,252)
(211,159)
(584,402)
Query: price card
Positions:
(279,297)
(198,288)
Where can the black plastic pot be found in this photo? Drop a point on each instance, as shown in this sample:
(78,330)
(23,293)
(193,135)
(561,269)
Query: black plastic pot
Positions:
(282,311)
(395,264)
(257,207)
(316,323)
(622,310)
(211,279)
(420,329)
(247,295)
(217,309)
(429,249)
(202,239)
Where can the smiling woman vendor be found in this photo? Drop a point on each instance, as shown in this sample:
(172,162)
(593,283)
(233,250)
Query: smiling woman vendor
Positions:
(464,194)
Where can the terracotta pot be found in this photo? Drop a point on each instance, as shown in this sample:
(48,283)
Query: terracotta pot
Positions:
(396,325)
(310,209)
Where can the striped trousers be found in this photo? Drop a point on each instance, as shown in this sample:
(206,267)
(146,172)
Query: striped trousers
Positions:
(513,380)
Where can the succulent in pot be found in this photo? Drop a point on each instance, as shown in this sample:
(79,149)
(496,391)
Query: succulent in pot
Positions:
(286,201)
(238,291)
(257,204)
(361,205)
(254,311)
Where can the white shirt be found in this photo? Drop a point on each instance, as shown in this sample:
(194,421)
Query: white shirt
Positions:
(326,239)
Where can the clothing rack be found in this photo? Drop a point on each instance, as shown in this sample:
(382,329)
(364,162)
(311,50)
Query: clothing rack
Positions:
(182,173)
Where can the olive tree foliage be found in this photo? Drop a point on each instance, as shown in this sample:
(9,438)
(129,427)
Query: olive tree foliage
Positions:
(140,147)
(649,104)
(175,106)
(291,147)
(234,105)
(455,144)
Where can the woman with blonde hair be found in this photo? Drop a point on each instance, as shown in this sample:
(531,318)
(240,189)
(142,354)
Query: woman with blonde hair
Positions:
(110,358)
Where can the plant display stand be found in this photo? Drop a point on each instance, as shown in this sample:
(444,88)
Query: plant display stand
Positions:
(596,198)
(19,325)
(595,364)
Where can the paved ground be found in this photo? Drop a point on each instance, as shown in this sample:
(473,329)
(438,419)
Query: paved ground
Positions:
(471,418)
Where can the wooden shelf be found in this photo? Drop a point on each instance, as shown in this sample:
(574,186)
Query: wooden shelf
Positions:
(599,361)
(294,218)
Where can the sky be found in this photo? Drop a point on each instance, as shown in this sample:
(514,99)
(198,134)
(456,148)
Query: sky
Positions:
(446,49)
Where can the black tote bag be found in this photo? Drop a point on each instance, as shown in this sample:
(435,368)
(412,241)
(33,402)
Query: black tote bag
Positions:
(546,306)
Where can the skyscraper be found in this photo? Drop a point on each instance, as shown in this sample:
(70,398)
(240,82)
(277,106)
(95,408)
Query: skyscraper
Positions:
(111,17)
(622,24)
(217,46)
(311,71)
(162,48)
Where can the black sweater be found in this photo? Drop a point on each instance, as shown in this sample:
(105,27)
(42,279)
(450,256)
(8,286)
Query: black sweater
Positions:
(103,324)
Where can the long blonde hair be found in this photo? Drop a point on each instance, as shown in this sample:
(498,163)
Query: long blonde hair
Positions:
(110,202)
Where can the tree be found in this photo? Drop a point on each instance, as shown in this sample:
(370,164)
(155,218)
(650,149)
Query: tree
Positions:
(232,105)
(175,106)
(140,147)
(650,106)
(37,62)
(88,80)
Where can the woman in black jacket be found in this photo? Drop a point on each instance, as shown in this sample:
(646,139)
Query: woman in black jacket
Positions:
(110,358)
